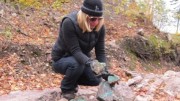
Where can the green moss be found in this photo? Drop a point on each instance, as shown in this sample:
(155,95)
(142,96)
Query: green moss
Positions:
(7,32)
(58,4)
(158,42)
(149,66)
(176,38)
(161,46)
(151,50)
(132,56)
(30,3)
(131,24)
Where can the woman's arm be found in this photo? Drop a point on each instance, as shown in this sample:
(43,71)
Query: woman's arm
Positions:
(100,46)
(71,41)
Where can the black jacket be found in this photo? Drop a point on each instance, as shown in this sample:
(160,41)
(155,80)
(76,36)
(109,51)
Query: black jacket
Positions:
(72,42)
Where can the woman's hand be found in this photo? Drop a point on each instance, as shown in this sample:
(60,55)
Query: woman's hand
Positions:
(97,67)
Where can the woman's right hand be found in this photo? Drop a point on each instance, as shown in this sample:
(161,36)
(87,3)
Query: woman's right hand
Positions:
(97,67)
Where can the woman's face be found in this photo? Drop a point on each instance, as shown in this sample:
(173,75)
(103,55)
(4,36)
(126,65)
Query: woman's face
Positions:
(93,21)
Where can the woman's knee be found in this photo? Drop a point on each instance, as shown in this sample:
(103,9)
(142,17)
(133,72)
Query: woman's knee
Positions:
(63,64)
(74,64)
(89,82)
(96,82)
(57,68)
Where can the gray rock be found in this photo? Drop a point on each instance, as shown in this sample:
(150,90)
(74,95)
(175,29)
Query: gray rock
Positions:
(122,90)
(145,88)
(35,95)
(142,98)
(105,92)
(172,83)
(135,80)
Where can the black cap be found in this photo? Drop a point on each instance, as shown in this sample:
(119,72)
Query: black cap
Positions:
(92,7)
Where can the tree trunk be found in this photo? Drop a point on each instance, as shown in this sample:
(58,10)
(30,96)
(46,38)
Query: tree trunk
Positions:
(178,21)
(177,27)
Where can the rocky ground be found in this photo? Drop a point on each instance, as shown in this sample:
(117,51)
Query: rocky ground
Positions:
(140,87)
(26,39)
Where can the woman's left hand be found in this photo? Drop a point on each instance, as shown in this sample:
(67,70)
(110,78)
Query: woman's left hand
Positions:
(98,67)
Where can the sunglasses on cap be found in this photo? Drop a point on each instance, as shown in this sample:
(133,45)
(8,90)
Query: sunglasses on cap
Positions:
(92,19)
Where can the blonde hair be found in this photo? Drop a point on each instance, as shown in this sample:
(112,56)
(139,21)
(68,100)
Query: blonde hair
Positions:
(84,25)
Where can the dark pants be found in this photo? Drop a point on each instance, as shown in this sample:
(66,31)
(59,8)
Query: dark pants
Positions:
(75,74)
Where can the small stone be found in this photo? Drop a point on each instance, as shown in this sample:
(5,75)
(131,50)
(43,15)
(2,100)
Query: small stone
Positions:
(178,96)
(113,79)
(1,12)
(47,64)
(79,99)
(92,97)
(14,14)
(141,98)
(135,80)
(85,92)
(95,89)
(63,99)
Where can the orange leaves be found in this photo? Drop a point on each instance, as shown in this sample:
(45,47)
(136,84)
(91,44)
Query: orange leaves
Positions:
(15,77)
(40,81)
(1,73)
(142,91)
(4,86)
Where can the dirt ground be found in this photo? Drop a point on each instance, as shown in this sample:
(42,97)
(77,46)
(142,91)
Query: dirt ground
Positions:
(27,36)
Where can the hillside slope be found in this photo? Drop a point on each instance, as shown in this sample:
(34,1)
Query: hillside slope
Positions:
(27,36)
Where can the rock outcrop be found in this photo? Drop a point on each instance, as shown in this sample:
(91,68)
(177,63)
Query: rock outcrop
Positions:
(140,87)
